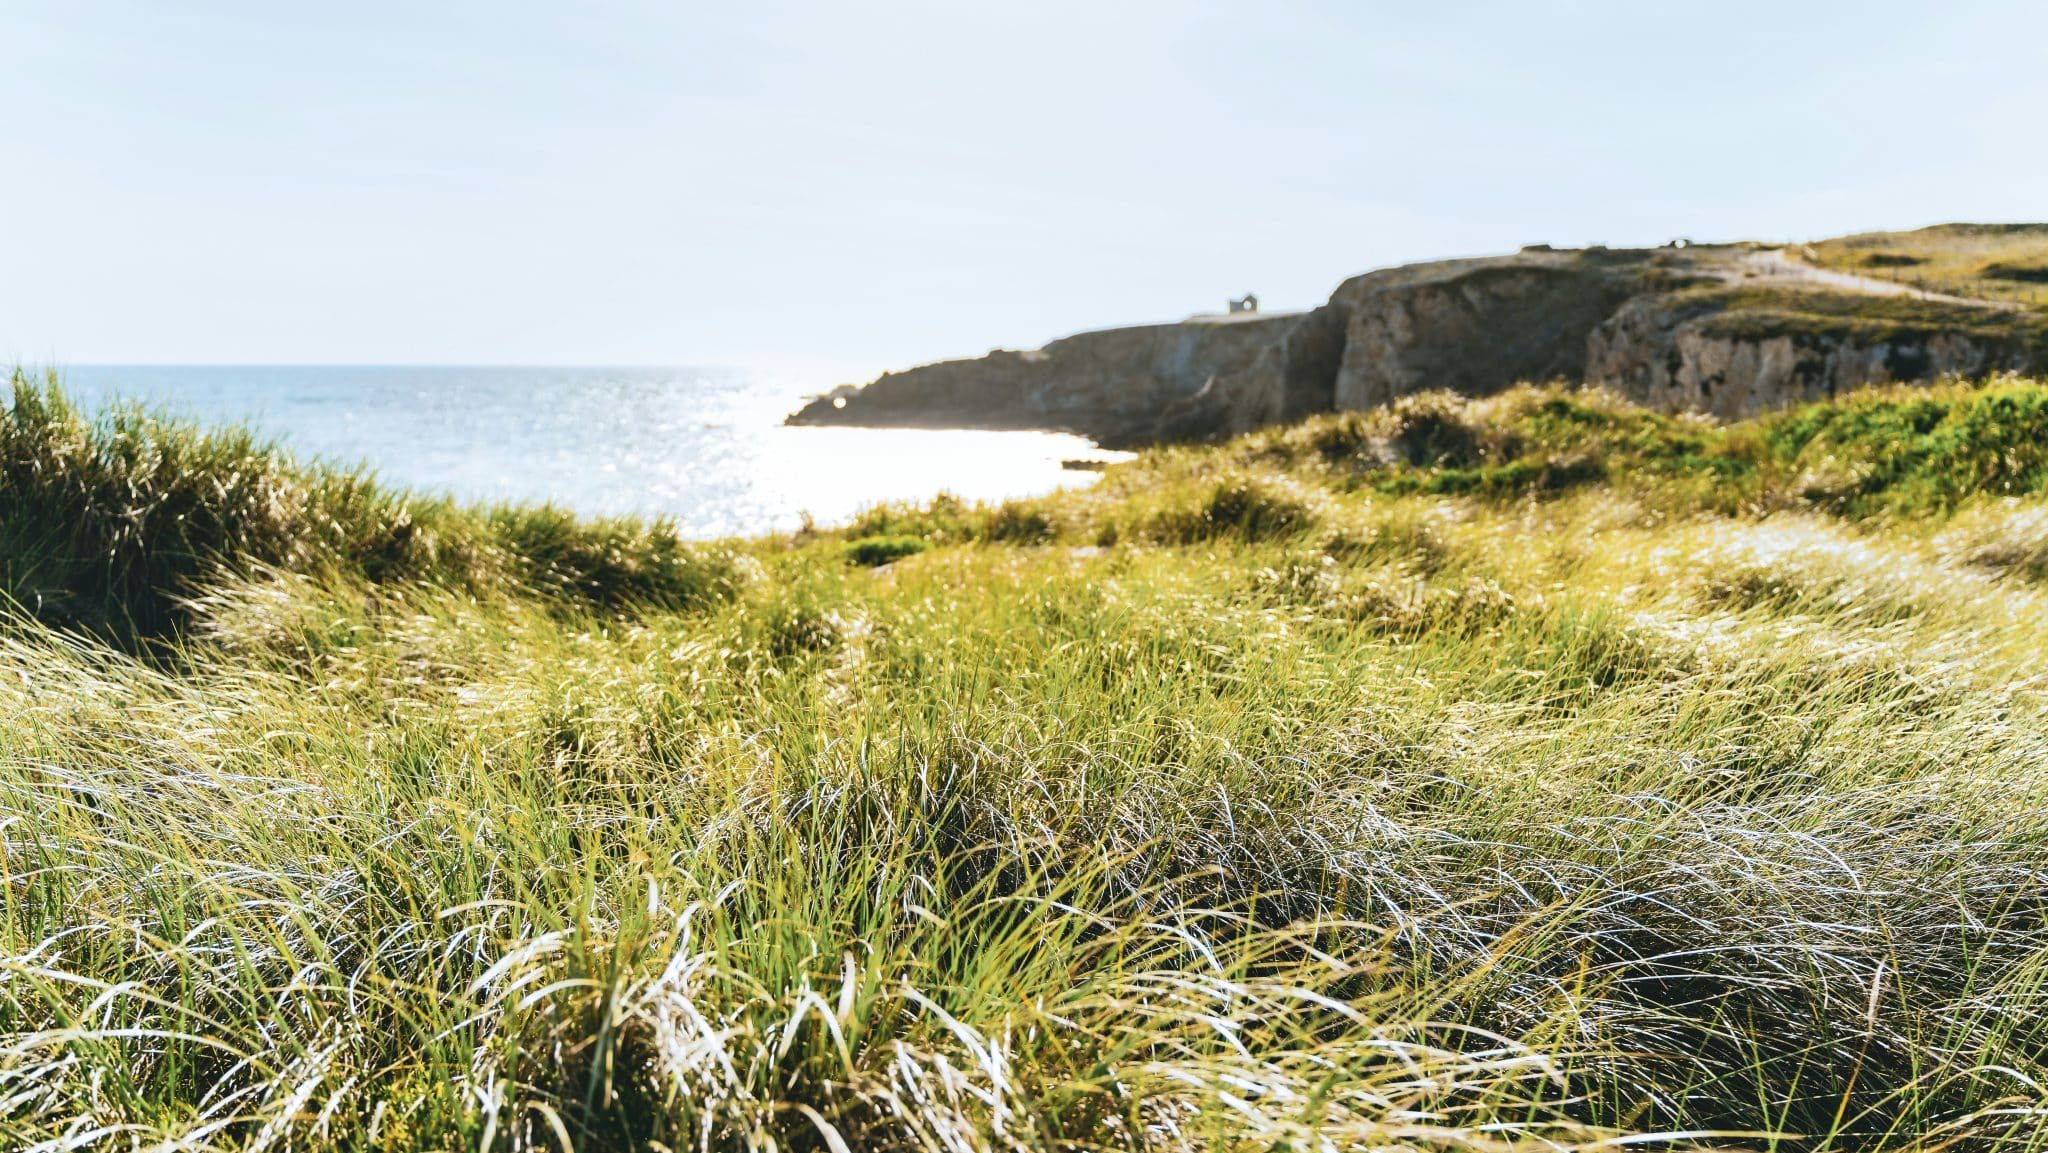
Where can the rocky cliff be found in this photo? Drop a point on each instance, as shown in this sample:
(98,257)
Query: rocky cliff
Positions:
(1734,354)
(1206,377)
(1726,329)
(1477,326)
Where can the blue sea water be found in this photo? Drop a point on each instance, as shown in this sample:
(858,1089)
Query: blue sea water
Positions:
(703,446)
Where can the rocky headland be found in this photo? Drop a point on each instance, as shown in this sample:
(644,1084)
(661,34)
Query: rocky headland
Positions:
(1728,329)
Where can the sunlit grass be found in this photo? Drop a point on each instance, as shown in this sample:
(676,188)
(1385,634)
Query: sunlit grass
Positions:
(1392,781)
(2003,262)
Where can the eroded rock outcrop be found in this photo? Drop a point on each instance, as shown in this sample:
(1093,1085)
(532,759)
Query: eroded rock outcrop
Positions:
(1726,329)
(1205,377)
(1475,327)
(1737,357)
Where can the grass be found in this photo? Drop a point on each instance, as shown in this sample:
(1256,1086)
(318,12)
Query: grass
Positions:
(107,524)
(1982,261)
(1813,319)
(1532,773)
(1750,313)
(1910,453)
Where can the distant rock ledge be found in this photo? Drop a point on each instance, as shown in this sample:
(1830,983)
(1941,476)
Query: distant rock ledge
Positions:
(1726,329)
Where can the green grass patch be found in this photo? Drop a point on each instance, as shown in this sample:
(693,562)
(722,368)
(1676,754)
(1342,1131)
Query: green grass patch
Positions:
(1760,313)
(1897,450)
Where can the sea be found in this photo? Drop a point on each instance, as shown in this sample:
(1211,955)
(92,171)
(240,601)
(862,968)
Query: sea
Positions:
(704,447)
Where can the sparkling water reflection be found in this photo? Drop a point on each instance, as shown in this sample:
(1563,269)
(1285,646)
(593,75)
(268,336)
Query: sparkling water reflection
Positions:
(704,446)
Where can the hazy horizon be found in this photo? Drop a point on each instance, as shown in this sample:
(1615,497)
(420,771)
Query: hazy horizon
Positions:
(804,190)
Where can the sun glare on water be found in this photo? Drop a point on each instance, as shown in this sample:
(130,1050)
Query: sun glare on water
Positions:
(833,473)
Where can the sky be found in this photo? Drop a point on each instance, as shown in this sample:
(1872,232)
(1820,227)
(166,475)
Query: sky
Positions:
(835,188)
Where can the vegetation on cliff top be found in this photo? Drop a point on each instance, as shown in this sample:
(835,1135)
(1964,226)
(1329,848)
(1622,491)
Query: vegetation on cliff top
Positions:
(1760,313)
(1524,773)
(1983,261)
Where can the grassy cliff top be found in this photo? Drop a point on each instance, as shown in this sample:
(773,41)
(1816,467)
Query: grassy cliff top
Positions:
(1759,312)
(1515,774)
(1983,261)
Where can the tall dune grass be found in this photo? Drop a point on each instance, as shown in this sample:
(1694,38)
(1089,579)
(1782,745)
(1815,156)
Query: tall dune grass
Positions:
(1278,795)
(107,523)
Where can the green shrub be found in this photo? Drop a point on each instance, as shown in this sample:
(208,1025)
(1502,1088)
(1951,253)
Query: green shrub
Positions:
(881,550)
(1236,506)
(1019,522)
(944,519)
(608,563)
(1886,450)
(1435,430)
(1899,450)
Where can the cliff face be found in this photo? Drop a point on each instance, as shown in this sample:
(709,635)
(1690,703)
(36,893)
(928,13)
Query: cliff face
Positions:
(1121,386)
(1736,359)
(1473,327)
(1730,329)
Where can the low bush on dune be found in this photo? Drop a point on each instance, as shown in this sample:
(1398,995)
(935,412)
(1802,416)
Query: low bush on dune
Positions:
(1240,507)
(1283,794)
(881,550)
(1904,452)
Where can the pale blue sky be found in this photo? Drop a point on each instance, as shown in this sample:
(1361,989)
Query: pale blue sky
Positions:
(842,186)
